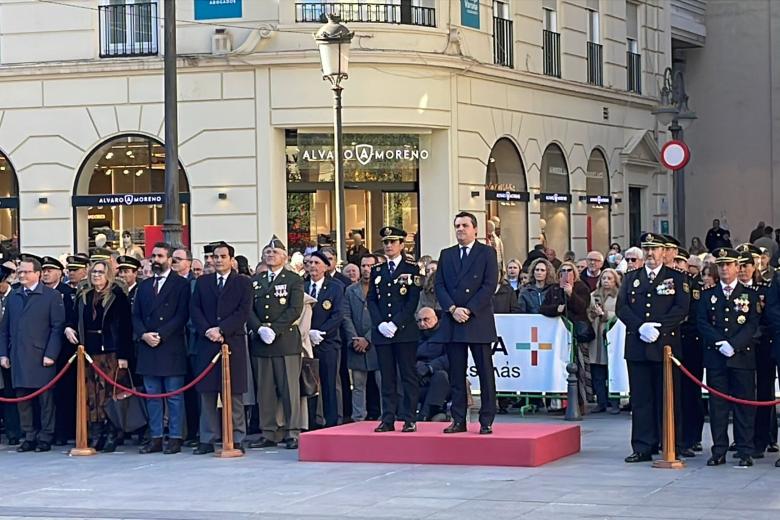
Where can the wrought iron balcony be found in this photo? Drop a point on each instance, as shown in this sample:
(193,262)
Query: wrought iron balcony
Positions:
(503,42)
(551,47)
(128,29)
(634,70)
(595,64)
(404,14)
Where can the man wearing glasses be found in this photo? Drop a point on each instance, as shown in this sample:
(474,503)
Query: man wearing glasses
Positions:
(31,335)
(652,303)
(592,273)
(181,263)
(635,258)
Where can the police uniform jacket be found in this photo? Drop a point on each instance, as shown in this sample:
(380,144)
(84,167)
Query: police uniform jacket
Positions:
(394,298)
(277,305)
(734,320)
(165,313)
(689,327)
(69,301)
(328,312)
(665,300)
(31,329)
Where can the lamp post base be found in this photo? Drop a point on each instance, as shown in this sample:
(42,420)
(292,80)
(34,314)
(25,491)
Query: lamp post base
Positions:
(82,452)
(669,464)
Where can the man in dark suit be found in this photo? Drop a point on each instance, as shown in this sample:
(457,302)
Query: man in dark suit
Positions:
(728,319)
(465,282)
(326,318)
(652,303)
(31,335)
(392,301)
(357,250)
(160,315)
(65,391)
(9,412)
(219,310)
(276,348)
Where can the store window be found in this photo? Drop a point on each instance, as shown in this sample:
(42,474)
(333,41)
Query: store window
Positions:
(9,209)
(555,201)
(506,198)
(599,202)
(381,187)
(121,187)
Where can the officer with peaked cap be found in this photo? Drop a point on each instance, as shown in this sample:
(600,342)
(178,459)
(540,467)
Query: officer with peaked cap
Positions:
(652,303)
(77,269)
(128,267)
(728,319)
(671,247)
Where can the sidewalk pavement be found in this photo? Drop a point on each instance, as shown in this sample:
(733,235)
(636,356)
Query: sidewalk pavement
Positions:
(273,485)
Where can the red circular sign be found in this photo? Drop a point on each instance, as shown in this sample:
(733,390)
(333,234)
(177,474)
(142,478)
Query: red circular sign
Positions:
(675,155)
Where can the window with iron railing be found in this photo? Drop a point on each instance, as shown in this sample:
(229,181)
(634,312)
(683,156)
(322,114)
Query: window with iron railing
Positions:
(634,70)
(551,48)
(595,64)
(402,12)
(503,39)
(128,29)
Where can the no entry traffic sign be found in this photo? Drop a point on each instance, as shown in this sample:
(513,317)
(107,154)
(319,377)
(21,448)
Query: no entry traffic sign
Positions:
(675,155)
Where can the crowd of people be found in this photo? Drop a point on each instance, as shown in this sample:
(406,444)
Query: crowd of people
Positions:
(389,333)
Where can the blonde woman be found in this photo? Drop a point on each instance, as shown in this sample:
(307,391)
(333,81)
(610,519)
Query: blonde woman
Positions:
(600,311)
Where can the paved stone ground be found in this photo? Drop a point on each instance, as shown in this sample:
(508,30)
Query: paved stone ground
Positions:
(273,485)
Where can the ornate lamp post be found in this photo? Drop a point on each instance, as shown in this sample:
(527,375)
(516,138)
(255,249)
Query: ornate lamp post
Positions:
(333,40)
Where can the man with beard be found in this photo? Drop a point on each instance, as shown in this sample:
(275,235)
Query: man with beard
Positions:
(160,317)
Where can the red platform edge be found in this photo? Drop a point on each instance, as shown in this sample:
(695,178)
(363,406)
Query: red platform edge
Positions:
(525,445)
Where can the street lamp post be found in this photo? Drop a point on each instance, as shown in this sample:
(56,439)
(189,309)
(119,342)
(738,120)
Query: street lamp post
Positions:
(172,222)
(673,112)
(333,40)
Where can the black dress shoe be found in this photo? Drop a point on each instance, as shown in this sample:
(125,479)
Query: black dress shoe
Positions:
(686,452)
(758,455)
(191,443)
(777,463)
(409,427)
(733,446)
(262,442)
(745,462)
(455,427)
(716,461)
(638,457)
(59,441)
(773,448)
(26,446)
(98,443)
(385,427)
(13,441)
(174,446)
(203,449)
(154,446)
(291,444)
(485,429)
(109,446)
(43,446)
(240,447)
(697,447)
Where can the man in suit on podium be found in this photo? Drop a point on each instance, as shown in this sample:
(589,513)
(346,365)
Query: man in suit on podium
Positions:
(465,283)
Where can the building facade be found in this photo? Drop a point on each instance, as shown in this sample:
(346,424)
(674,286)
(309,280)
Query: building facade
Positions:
(533,114)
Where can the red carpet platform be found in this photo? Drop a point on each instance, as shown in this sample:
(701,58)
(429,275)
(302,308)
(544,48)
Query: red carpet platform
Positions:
(527,445)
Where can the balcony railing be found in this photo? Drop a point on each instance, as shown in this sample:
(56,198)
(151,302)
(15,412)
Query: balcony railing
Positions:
(128,30)
(551,46)
(595,65)
(405,14)
(503,42)
(634,70)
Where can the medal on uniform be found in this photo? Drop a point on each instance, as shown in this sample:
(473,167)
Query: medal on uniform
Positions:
(696,294)
(741,320)
(636,282)
(327,305)
(283,301)
(402,290)
(713,299)
(378,280)
(418,281)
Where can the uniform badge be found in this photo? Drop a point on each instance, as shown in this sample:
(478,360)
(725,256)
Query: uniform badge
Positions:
(283,301)
(713,299)
(686,288)
(280,291)
(418,281)
(254,284)
(327,305)
(402,290)
(637,282)
(666,288)
(696,294)
(378,280)
(741,320)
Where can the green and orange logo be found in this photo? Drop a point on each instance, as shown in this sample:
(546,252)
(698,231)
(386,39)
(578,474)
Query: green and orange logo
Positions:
(534,346)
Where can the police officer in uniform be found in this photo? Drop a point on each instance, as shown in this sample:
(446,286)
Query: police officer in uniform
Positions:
(652,303)
(392,301)
(728,319)
(671,250)
(77,269)
(128,272)
(766,417)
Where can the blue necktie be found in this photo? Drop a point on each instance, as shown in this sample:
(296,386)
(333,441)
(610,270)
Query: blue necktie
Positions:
(220,283)
(464,252)
(313,291)
(391,267)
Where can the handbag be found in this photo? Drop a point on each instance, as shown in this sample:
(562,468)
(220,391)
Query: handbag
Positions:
(310,376)
(583,332)
(126,411)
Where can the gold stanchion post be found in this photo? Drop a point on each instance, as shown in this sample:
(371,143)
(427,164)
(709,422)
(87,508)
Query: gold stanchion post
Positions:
(82,448)
(670,460)
(227,451)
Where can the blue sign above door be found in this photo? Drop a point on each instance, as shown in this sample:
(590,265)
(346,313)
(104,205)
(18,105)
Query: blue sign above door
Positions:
(215,9)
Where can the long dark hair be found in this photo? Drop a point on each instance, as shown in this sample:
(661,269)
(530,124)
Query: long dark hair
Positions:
(243,265)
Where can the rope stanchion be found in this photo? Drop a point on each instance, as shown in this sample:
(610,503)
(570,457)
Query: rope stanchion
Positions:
(143,395)
(42,390)
(718,393)
(669,460)
(228,451)
(82,448)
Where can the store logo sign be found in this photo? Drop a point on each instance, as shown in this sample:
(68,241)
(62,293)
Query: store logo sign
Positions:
(366,154)
(599,200)
(130,199)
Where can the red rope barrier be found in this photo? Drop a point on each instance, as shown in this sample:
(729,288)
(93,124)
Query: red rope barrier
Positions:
(12,400)
(136,393)
(717,393)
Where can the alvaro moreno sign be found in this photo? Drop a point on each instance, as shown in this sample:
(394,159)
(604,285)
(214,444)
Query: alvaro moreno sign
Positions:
(366,154)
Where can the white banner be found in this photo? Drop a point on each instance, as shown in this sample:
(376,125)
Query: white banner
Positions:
(530,355)
(618,371)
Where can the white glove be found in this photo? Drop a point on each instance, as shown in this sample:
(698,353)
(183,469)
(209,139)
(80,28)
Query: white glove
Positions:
(387,329)
(648,332)
(267,334)
(316,336)
(725,348)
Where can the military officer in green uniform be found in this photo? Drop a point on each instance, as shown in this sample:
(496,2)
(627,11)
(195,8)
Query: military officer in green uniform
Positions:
(276,347)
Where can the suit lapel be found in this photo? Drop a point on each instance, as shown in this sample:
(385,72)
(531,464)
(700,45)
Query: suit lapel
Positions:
(158,298)
(466,263)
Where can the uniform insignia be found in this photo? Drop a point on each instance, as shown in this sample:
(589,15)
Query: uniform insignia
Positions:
(327,305)
(741,320)
(666,288)
(686,288)
(283,301)
(387,232)
(742,303)
(402,290)
(378,280)
(418,281)
(722,253)
(714,299)
(649,237)
(280,291)
(696,294)
(254,284)
(637,282)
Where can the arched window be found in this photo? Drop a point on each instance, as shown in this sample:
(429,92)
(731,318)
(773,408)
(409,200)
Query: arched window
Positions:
(121,187)
(9,208)
(506,198)
(555,201)
(599,202)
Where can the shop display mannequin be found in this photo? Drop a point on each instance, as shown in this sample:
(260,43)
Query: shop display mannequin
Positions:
(128,247)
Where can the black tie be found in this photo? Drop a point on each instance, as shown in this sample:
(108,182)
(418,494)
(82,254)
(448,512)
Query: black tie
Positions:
(26,293)
(156,285)
(220,283)
(652,276)
(464,252)
(313,291)
(391,267)
(271,276)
